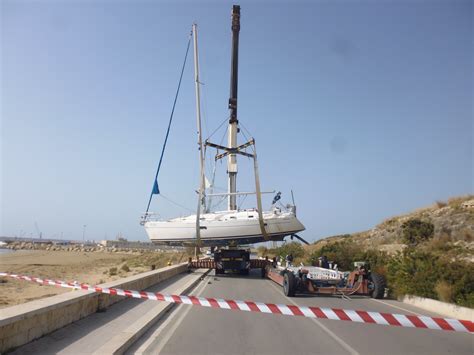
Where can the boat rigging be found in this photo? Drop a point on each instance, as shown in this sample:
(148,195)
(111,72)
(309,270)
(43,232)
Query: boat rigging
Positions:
(233,226)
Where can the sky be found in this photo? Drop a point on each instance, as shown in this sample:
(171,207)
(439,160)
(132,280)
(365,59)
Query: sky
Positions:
(362,108)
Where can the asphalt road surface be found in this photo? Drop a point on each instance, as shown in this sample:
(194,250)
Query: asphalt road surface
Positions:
(199,330)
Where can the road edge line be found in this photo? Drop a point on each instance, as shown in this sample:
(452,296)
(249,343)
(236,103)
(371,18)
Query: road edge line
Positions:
(133,336)
(175,325)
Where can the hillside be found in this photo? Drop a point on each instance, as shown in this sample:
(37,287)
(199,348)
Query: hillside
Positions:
(453,223)
(428,252)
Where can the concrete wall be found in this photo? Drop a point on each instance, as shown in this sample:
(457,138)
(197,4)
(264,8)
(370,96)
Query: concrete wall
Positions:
(445,309)
(23,323)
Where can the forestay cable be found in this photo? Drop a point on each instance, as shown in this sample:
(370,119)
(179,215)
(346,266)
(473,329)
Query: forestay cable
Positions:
(155,190)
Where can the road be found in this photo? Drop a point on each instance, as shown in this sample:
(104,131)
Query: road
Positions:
(198,330)
(90,334)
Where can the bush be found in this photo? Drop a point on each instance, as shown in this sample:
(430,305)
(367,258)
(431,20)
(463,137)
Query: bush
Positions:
(444,291)
(414,273)
(441,204)
(415,231)
(125,268)
(460,275)
(425,274)
(293,248)
(113,271)
(343,253)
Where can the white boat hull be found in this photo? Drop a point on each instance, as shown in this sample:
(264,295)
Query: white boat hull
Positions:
(230,227)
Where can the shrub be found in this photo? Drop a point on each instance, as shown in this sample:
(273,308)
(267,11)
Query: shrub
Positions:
(425,274)
(460,275)
(125,268)
(441,204)
(113,271)
(343,253)
(467,235)
(444,291)
(443,243)
(413,272)
(415,231)
(294,248)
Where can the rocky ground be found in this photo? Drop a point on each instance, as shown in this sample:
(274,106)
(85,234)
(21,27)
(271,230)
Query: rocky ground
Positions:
(20,245)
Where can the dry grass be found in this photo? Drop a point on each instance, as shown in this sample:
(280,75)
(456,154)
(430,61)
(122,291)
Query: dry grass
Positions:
(441,243)
(456,202)
(468,235)
(441,204)
(444,291)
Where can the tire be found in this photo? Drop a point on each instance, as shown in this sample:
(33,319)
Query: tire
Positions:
(379,284)
(219,272)
(289,284)
(263,272)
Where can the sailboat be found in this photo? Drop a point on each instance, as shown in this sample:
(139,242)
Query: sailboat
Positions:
(233,226)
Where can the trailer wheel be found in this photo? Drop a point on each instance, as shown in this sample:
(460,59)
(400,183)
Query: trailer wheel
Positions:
(289,284)
(378,285)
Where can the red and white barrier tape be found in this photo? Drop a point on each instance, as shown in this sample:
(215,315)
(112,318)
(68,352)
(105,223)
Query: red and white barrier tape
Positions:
(398,320)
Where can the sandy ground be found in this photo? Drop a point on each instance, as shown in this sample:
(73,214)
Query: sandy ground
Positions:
(88,267)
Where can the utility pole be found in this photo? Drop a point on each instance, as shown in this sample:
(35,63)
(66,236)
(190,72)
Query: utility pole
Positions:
(84,234)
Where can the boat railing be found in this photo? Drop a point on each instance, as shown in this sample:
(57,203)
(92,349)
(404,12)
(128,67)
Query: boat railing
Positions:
(240,193)
(150,216)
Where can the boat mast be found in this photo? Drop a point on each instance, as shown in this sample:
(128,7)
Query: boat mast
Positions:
(201,200)
(233,122)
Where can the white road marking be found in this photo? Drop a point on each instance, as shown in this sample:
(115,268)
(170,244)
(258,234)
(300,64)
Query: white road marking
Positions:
(341,342)
(392,305)
(170,331)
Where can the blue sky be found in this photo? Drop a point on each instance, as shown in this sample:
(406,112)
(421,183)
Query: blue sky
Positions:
(363,108)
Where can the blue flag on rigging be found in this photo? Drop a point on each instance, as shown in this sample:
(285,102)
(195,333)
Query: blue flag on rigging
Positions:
(156,190)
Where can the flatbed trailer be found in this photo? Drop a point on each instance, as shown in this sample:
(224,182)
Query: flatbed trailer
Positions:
(299,279)
(318,280)
(231,260)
